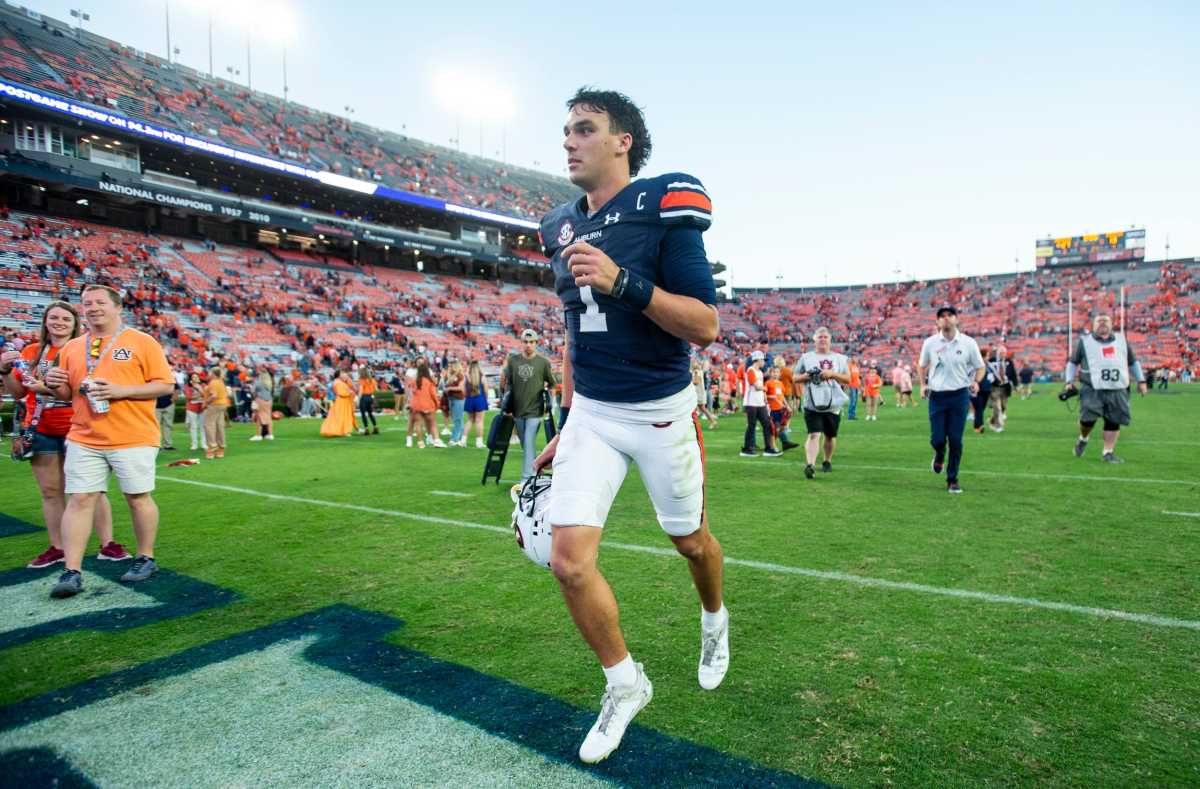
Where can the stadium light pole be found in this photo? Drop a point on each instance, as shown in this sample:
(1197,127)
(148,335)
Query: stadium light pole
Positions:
(285,85)
(82,16)
(167,18)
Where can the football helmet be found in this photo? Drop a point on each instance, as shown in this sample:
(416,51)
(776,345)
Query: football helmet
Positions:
(532,499)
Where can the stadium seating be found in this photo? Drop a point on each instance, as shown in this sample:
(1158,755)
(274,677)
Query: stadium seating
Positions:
(145,87)
(285,306)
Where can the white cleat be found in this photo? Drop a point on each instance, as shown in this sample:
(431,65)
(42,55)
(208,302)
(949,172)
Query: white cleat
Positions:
(617,709)
(256,438)
(714,655)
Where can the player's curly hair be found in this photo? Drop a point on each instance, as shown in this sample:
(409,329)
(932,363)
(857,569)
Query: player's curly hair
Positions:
(623,116)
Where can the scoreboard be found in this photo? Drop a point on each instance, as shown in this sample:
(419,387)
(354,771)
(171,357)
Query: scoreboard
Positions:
(1094,248)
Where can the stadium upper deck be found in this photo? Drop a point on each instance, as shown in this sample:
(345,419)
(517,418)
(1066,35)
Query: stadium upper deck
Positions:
(51,57)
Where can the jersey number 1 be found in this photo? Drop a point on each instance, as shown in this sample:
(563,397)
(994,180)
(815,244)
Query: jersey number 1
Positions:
(592,318)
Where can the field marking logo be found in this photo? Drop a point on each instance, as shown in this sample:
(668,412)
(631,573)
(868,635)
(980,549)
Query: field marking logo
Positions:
(565,233)
(320,684)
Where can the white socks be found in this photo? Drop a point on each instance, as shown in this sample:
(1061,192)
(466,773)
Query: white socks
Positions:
(1083,439)
(710,620)
(623,674)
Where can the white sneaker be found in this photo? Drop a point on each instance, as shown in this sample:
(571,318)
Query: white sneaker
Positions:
(617,709)
(408,442)
(270,436)
(714,654)
(256,438)
(194,447)
(437,442)
(445,431)
(479,443)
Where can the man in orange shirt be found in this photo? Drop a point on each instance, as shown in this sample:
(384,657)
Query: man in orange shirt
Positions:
(855,385)
(112,375)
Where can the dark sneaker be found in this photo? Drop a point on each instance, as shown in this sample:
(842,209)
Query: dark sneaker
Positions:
(936,465)
(953,488)
(114,552)
(772,453)
(748,452)
(826,467)
(1079,447)
(69,584)
(1109,457)
(809,472)
(47,558)
(789,445)
(143,567)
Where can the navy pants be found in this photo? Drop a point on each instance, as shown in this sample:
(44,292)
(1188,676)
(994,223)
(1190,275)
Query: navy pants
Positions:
(947,418)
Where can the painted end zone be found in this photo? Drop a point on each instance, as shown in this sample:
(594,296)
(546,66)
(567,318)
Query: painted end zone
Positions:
(105,604)
(322,700)
(10,526)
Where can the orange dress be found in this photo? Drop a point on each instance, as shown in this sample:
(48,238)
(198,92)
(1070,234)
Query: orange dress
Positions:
(340,421)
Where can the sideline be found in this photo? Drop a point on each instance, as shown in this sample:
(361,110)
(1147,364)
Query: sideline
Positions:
(880,583)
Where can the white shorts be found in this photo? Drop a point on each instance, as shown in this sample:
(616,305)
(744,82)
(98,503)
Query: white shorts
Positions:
(593,456)
(86,469)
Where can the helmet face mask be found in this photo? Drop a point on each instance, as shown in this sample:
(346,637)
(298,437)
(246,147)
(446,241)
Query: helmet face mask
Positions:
(529,522)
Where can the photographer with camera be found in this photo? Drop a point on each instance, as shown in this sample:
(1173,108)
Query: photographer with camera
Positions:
(950,370)
(1103,363)
(112,375)
(824,373)
(42,438)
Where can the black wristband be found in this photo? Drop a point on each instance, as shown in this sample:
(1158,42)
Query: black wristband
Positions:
(619,283)
(636,290)
(563,413)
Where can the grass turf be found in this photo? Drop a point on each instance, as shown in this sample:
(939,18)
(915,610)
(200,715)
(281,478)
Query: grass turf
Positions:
(834,680)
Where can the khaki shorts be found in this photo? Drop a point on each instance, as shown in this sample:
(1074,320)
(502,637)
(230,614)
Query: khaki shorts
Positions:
(86,469)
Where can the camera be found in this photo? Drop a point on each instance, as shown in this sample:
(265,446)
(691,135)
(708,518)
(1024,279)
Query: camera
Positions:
(814,375)
(1067,393)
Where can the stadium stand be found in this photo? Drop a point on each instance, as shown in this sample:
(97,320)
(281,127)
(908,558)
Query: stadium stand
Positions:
(298,310)
(45,56)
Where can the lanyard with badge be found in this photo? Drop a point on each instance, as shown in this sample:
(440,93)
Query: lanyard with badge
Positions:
(94,354)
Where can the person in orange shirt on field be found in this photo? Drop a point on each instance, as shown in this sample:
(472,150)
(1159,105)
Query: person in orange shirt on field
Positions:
(50,421)
(855,386)
(367,387)
(777,405)
(789,383)
(112,375)
(216,410)
(872,384)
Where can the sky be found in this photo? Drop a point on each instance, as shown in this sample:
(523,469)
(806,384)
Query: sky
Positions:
(840,143)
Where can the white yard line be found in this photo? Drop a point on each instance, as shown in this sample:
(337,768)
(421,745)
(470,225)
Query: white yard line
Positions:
(451,493)
(879,583)
(1182,514)
(767,462)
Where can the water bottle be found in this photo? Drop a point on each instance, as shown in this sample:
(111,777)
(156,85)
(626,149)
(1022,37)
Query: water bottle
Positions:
(21,368)
(97,404)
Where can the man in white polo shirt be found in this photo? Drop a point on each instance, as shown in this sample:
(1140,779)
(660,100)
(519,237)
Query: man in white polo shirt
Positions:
(950,369)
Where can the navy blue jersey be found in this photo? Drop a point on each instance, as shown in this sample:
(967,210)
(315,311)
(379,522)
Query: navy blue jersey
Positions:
(652,227)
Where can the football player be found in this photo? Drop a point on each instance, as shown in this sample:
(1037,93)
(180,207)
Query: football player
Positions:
(636,287)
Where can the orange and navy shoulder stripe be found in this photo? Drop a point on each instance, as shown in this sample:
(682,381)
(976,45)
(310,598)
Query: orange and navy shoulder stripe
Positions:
(685,199)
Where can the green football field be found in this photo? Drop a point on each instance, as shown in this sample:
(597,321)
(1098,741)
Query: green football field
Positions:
(350,611)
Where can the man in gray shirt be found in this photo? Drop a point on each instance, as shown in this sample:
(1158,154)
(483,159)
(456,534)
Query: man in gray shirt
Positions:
(527,375)
(954,367)
(1103,363)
